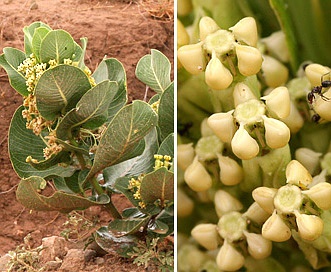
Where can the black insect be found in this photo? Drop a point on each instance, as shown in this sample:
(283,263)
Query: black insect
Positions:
(315,118)
(318,90)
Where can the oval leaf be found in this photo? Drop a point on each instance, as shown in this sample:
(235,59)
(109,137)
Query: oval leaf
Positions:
(27,194)
(90,112)
(59,89)
(157,186)
(122,227)
(10,60)
(154,71)
(113,70)
(57,45)
(38,36)
(123,137)
(22,143)
(166,112)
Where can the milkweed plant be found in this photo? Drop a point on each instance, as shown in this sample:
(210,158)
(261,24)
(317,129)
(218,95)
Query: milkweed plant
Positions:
(75,141)
(253,154)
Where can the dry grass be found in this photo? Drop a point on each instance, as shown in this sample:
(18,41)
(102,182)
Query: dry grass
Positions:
(159,9)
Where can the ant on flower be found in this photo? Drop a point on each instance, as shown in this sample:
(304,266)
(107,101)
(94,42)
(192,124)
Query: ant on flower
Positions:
(318,90)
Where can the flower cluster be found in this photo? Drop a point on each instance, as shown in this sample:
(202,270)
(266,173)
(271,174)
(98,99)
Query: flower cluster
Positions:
(162,161)
(223,54)
(134,186)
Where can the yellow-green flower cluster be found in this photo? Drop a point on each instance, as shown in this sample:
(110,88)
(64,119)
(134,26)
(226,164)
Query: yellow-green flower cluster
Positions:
(134,186)
(162,161)
(155,106)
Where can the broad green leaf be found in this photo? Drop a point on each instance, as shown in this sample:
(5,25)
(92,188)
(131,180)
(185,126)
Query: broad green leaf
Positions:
(23,143)
(122,227)
(158,227)
(10,60)
(28,36)
(110,243)
(157,186)
(61,185)
(132,212)
(57,45)
(154,99)
(167,146)
(37,38)
(84,149)
(113,70)
(154,71)
(91,110)
(28,195)
(166,112)
(59,89)
(123,137)
(135,166)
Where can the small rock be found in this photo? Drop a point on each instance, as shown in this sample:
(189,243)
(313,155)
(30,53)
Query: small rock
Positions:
(89,254)
(53,247)
(53,265)
(73,261)
(3,262)
(99,260)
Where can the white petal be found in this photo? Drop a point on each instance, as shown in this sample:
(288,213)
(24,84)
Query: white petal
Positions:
(243,145)
(277,134)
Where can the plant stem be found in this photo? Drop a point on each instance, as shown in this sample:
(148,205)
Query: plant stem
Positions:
(109,206)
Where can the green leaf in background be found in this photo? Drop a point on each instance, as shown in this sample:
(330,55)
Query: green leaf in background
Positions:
(135,166)
(59,89)
(61,157)
(157,185)
(121,227)
(28,195)
(10,60)
(158,227)
(122,138)
(28,36)
(166,112)
(113,70)
(38,36)
(22,143)
(154,70)
(167,146)
(80,53)
(91,110)
(57,45)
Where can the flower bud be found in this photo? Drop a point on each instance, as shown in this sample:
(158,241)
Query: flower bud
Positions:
(249,60)
(308,158)
(184,7)
(242,93)
(323,107)
(224,203)
(297,174)
(197,177)
(326,163)
(185,155)
(294,121)
(258,246)
(229,259)
(288,199)
(192,58)
(185,205)
(274,72)
(278,102)
(222,124)
(314,73)
(182,36)
(276,46)
(246,31)
(277,134)
(243,145)
(256,213)
(208,147)
(207,26)
(206,235)
(264,196)
(275,229)
(320,194)
(205,129)
(310,227)
(231,173)
(217,76)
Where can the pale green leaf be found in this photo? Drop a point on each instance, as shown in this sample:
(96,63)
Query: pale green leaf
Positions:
(57,45)
(122,227)
(28,195)
(91,110)
(37,38)
(166,112)
(154,71)
(59,89)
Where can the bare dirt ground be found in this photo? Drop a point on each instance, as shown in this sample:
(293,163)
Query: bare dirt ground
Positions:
(125,30)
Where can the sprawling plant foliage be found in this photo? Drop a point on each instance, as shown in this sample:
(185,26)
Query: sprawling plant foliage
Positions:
(76,132)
